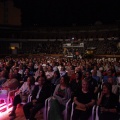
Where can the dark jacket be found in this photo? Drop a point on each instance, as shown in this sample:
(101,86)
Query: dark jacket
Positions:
(44,93)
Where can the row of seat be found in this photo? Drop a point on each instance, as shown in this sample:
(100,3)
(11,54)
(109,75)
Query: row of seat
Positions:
(7,97)
(67,114)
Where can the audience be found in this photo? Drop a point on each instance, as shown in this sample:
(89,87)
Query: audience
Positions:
(11,83)
(23,93)
(51,73)
(60,97)
(108,103)
(3,77)
(84,101)
(39,94)
(115,88)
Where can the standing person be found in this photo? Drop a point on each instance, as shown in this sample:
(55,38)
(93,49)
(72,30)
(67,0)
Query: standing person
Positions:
(84,101)
(40,93)
(23,93)
(108,103)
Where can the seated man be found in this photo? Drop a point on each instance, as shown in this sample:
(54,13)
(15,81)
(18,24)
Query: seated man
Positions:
(40,93)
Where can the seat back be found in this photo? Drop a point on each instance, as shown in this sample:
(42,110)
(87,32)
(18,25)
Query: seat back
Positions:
(92,117)
(44,109)
(3,94)
(72,110)
(97,116)
(6,96)
(65,113)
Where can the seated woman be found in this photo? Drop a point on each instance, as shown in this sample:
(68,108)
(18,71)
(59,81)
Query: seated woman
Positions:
(41,74)
(55,81)
(60,97)
(22,94)
(84,101)
(108,103)
(38,72)
(3,76)
(11,83)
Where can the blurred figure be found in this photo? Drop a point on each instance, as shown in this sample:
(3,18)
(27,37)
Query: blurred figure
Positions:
(60,97)
(114,87)
(84,101)
(22,95)
(11,83)
(40,93)
(3,77)
(108,103)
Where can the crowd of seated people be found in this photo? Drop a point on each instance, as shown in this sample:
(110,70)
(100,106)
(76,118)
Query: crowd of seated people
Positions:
(100,47)
(87,82)
(48,47)
(22,94)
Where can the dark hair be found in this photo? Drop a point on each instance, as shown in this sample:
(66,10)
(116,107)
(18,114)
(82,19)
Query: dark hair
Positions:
(79,74)
(43,73)
(88,72)
(57,73)
(32,80)
(108,85)
(66,79)
(39,77)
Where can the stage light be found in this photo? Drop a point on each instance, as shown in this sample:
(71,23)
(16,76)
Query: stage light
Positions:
(12,48)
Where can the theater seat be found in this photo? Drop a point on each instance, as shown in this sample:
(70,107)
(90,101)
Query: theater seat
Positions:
(65,113)
(92,117)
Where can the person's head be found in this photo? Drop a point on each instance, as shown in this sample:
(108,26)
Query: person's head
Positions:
(94,72)
(41,81)
(11,75)
(109,73)
(62,68)
(56,74)
(31,80)
(77,69)
(78,75)
(87,74)
(21,66)
(64,80)
(85,84)
(3,73)
(45,68)
(50,68)
(40,67)
(30,64)
(54,63)
(42,73)
(95,68)
(110,80)
(15,71)
(27,71)
(107,88)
